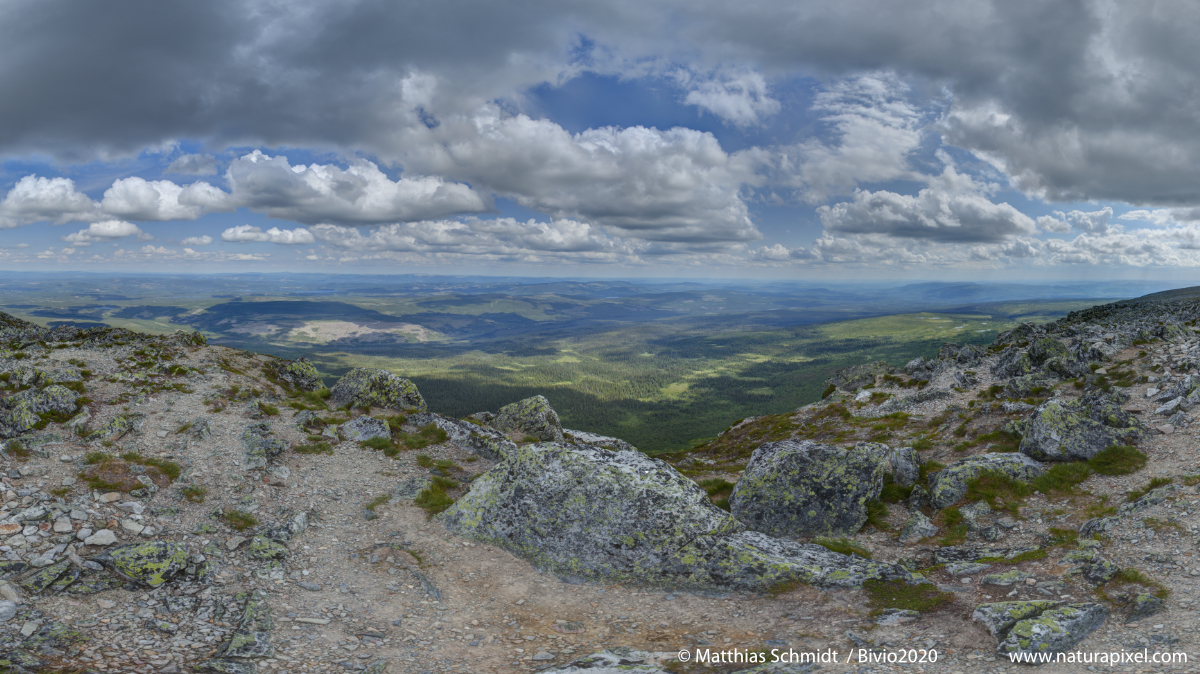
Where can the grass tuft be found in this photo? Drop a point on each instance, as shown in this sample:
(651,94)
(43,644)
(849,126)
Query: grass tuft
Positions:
(843,545)
(195,493)
(239,520)
(896,594)
(1118,460)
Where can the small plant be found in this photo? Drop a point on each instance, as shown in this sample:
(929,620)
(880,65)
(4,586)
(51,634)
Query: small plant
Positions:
(1153,484)
(169,468)
(843,545)
(92,458)
(897,594)
(183,429)
(1062,478)
(425,461)
(1158,525)
(446,465)
(316,448)
(239,520)
(718,490)
(530,438)
(956,527)
(876,513)
(1118,460)
(892,492)
(828,391)
(434,499)
(783,587)
(269,410)
(194,493)
(60,491)
(376,502)
(1062,537)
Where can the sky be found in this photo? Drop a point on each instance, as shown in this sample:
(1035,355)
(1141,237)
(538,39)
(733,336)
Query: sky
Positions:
(845,140)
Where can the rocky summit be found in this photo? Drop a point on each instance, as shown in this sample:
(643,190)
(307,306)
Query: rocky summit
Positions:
(174,506)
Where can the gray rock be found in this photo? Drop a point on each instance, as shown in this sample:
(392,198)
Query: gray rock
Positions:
(1171,407)
(917,527)
(252,638)
(1077,430)
(1153,498)
(896,616)
(102,537)
(298,373)
(966,553)
(151,563)
(482,440)
(1094,567)
(1143,606)
(614,661)
(1000,617)
(259,447)
(808,488)
(410,487)
(593,514)
(1055,630)
(8,609)
(949,485)
(603,441)
(1006,578)
(1097,525)
(966,568)
(531,416)
(371,387)
(361,429)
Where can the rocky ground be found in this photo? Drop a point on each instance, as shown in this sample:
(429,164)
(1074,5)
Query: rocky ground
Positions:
(170,506)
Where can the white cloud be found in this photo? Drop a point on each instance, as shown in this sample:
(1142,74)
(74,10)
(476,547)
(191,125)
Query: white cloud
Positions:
(1092,222)
(875,128)
(493,239)
(359,194)
(953,209)
(1054,225)
(737,95)
(35,199)
(194,164)
(779,253)
(203,240)
(248,234)
(106,231)
(643,183)
(139,199)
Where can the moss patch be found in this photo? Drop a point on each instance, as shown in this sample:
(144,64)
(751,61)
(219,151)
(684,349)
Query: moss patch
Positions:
(896,594)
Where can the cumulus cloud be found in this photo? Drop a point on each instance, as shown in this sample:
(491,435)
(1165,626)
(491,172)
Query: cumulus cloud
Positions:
(674,185)
(139,199)
(106,231)
(953,208)
(249,234)
(194,164)
(874,129)
(35,199)
(495,239)
(359,194)
(202,240)
(779,253)
(737,95)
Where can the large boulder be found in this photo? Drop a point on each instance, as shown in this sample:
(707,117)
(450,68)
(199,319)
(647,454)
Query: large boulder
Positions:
(20,412)
(594,514)
(371,387)
(1077,430)
(297,373)
(596,440)
(152,563)
(808,488)
(950,484)
(361,429)
(531,416)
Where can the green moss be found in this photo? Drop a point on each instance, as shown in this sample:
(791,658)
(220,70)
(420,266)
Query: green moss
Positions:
(843,545)
(317,448)
(239,520)
(1062,478)
(1118,460)
(1001,491)
(169,468)
(896,594)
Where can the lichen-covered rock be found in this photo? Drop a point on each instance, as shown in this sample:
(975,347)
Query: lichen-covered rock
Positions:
(45,577)
(371,387)
(917,527)
(949,485)
(531,416)
(1143,606)
(262,548)
(1000,617)
(21,412)
(53,638)
(1077,430)
(585,438)
(28,375)
(151,563)
(1097,525)
(252,638)
(1006,578)
(1153,498)
(967,553)
(297,373)
(808,488)
(259,447)
(1091,565)
(482,440)
(1055,630)
(594,514)
(200,429)
(361,429)
(113,429)
(1013,362)
(1027,385)
(293,527)
(614,661)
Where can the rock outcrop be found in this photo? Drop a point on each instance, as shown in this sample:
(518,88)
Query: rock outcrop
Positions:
(950,484)
(370,387)
(533,417)
(608,516)
(808,488)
